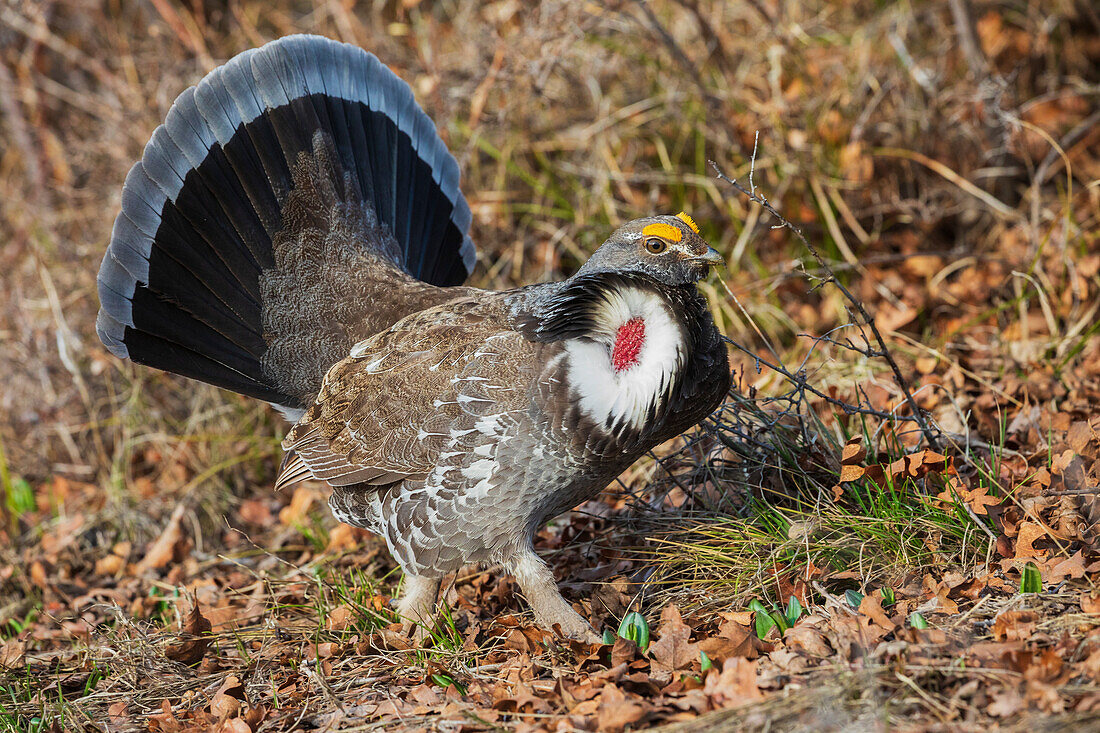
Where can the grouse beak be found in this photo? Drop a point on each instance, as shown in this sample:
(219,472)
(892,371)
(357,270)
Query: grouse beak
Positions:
(712,258)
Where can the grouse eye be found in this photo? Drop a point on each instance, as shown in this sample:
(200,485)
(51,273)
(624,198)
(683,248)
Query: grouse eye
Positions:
(655,246)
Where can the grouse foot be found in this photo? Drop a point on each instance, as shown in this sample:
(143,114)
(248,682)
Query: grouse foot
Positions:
(536,580)
(417,603)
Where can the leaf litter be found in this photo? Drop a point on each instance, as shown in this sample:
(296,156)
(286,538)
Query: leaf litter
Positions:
(948,588)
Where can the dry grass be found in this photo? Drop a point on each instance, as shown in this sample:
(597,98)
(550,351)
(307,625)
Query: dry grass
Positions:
(954,193)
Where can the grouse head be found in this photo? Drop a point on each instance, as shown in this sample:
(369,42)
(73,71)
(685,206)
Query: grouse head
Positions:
(666,248)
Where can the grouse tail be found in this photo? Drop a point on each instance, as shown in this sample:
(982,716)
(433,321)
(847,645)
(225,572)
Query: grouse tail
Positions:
(277,192)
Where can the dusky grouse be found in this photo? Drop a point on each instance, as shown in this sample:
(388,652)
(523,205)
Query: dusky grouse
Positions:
(295,232)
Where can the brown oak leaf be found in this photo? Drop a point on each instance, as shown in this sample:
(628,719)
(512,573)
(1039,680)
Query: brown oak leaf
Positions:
(616,711)
(736,683)
(853,452)
(851,473)
(871,607)
(733,640)
(1029,533)
(978,499)
(192,646)
(673,652)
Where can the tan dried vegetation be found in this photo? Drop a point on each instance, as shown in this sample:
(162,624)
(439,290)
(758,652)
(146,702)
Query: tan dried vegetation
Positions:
(941,157)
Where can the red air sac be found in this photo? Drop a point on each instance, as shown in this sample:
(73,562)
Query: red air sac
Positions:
(628,344)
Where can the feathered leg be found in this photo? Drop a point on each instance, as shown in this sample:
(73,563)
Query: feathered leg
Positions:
(417,603)
(541,589)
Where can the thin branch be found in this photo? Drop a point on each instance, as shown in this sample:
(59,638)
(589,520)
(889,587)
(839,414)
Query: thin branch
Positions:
(865,318)
(964,29)
(678,54)
(802,384)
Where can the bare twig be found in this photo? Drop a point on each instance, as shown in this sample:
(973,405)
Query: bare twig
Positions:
(11,110)
(801,383)
(864,319)
(832,599)
(964,29)
(1071,138)
(678,54)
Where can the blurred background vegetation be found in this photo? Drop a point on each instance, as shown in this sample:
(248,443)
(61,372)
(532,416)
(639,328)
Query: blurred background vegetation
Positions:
(943,156)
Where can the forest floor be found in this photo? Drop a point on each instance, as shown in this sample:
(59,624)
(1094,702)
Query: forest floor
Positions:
(874,532)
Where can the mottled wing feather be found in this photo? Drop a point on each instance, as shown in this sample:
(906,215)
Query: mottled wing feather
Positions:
(490,472)
(389,410)
(292,470)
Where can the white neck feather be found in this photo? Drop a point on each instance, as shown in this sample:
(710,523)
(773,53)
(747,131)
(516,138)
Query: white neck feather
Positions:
(606,394)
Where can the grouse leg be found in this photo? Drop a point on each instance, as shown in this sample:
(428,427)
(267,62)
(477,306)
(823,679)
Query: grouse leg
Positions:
(536,580)
(417,603)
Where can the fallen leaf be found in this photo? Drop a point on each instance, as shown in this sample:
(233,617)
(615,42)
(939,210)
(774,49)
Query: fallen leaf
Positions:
(426,694)
(224,706)
(1014,625)
(871,607)
(1029,533)
(164,721)
(1092,665)
(254,715)
(295,512)
(851,473)
(624,651)
(255,511)
(235,725)
(616,711)
(117,711)
(876,473)
(978,499)
(733,640)
(1045,667)
(324,650)
(744,618)
(1079,435)
(344,537)
(673,651)
(736,682)
(926,364)
(808,640)
(853,452)
(11,653)
(934,462)
(339,618)
(1070,567)
(190,651)
(855,164)
(109,565)
(892,316)
(61,535)
(168,546)
(1006,703)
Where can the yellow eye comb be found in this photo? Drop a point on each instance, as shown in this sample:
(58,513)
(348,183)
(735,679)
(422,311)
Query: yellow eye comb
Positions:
(682,216)
(665,231)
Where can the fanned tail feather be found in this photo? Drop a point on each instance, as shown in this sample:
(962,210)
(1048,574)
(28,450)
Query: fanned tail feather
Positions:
(182,286)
